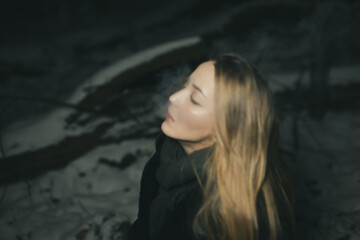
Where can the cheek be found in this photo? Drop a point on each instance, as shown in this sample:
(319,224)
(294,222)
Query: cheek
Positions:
(197,121)
(191,123)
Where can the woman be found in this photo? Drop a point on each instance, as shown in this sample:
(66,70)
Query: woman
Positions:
(215,173)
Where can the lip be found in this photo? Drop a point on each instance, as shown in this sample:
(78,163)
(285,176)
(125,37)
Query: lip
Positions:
(169,117)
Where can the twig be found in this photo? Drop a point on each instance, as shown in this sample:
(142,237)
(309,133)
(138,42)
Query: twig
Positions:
(84,209)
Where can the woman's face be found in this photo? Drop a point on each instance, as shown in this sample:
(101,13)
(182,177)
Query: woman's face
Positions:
(190,117)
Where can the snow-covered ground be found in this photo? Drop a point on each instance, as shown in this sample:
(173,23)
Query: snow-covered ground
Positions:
(96,194)
(62,203)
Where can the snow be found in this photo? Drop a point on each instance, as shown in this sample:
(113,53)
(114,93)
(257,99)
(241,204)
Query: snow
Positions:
(31,134)
(63,202)
(23,136)
(108,73)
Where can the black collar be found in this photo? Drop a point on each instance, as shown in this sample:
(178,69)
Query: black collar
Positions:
(176,167)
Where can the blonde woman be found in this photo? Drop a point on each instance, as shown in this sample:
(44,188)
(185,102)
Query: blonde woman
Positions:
(215,173)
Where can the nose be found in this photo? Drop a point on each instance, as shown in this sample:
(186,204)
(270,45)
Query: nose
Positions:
(174,97)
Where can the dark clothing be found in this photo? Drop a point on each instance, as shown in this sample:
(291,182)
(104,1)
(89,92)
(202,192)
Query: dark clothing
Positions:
(170,194)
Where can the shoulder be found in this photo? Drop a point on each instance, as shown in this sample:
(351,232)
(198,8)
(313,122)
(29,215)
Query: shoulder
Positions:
(179,224)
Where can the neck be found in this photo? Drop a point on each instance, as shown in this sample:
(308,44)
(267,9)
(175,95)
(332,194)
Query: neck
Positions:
(190,147)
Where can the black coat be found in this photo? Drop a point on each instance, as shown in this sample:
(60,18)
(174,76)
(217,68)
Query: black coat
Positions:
(169,194)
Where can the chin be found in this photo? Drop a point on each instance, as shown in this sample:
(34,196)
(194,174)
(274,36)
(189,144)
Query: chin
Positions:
(167,131)
(163,128)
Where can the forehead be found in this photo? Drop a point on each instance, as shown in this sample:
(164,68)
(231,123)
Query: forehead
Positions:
(204,78)
(204,74)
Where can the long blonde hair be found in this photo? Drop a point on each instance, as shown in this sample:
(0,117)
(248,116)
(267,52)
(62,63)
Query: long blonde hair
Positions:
(245,187)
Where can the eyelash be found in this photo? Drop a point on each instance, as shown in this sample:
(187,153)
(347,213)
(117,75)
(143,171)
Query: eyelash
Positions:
(193,101)
(191,98)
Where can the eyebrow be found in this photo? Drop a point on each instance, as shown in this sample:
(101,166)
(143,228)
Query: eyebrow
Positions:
(197,88)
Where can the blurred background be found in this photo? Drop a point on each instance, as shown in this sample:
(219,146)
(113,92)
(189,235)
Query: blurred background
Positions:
(84,84)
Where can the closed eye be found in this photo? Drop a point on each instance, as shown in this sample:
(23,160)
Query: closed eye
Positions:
(193,101)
